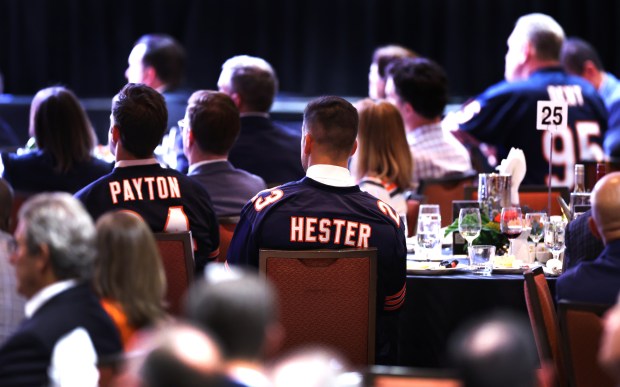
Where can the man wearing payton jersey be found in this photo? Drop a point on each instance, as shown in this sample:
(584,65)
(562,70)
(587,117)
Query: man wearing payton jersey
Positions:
(505,114)
(327,210)
(167,200)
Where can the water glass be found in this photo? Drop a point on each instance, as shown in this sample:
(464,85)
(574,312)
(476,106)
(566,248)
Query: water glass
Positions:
(554,236)
(429,230)
(482,259)
(536,222)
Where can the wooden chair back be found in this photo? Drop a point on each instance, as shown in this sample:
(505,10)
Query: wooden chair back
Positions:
(177,255)
(444,190)
(227,229)
(327,298)
(581,325)
(544,321)
(390,376)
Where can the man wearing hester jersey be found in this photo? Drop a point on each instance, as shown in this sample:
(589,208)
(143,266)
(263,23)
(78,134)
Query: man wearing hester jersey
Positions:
(327,210)
(167,200)
(505,114)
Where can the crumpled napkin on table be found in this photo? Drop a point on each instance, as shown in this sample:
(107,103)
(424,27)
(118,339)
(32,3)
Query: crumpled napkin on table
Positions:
(514,165)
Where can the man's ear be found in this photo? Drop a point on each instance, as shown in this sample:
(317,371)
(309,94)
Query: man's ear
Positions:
(236,99)
(354,149)
(149,75)
(307,144)
(43,258)
(116,134)
(593,228)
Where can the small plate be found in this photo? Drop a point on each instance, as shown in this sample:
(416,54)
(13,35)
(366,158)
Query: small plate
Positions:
(512,270)
(436,271)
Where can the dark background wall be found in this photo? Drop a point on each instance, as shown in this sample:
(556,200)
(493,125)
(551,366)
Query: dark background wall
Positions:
(316,46)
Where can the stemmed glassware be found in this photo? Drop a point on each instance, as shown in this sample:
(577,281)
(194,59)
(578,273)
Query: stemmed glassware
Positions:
(554,236)
(536,222)
(429,229)
(511,224)
(469,227)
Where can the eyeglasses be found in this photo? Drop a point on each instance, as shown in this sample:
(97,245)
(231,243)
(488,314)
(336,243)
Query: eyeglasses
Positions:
(182,124)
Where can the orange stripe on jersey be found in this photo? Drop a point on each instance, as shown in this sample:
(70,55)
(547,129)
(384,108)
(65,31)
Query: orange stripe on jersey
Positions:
(395,301)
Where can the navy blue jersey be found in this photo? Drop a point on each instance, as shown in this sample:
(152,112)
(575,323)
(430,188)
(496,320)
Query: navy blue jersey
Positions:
(166,199)
(505,116)
(306,215)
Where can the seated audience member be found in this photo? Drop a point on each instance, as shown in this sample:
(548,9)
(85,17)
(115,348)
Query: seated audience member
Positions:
(11,303)
(383,160)
(609,351)
(167,200)
(65,140)
(310,367)
(158,61)
(581,244)
(263,148)
(126,247)
(326,210)
(381,58)
(419,89)
(174,354)
(505,114)
(598,281)
(578,57)
(239,309)
(497,350)
(211,128)
(8,138)
(66,334)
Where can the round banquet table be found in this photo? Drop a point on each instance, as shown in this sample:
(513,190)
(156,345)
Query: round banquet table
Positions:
(436,305)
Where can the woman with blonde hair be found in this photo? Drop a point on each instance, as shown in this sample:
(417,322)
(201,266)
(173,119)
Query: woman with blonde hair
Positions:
(383,163)
(65,140)
(129,274)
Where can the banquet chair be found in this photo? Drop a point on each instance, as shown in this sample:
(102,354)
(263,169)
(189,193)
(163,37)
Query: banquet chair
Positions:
(444,190)
(413,207)
(177,256)
(581,326)
(227,229)
(389,376)
(326,298)
(544,321)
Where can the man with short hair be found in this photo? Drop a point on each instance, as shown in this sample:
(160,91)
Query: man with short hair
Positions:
(211,126)
(419,89)
(158,61)
(239,309)
(167,200)
(578,57)
(327,210)
(598,281)
(505,114)
(66,334)
(381,58)
(263,148)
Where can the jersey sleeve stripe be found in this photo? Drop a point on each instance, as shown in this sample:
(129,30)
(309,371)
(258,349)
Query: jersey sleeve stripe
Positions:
(395,301)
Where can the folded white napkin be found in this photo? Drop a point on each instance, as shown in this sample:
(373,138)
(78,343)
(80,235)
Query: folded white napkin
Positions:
(514,165)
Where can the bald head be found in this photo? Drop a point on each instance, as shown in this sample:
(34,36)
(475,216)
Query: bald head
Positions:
(606,207)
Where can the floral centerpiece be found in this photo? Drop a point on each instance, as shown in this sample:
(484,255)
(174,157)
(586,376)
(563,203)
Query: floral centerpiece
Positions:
(490,234)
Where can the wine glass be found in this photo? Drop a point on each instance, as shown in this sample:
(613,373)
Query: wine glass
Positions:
(429,229)
(469,227)
(536,222)
(511,224)
(554,236)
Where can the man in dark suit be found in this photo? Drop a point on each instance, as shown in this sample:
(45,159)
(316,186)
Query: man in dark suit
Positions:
(581,244)
(66,334)
(264,148)
(210,128)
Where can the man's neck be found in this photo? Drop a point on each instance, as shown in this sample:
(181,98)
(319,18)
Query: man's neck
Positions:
(537,64)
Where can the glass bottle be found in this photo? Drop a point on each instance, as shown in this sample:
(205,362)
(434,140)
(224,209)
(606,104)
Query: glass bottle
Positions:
(580,185)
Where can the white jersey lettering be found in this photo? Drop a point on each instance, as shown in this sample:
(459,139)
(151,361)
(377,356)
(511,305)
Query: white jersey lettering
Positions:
(147,188)
(311,229)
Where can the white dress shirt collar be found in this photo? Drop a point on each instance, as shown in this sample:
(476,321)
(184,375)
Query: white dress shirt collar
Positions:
(331,175)
(193,167)
(45,294)
(133,163)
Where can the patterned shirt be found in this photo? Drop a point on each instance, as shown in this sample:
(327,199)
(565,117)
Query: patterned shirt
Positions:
(436,153)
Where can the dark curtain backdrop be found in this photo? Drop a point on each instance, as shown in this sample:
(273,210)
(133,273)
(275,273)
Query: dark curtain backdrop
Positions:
(316,46)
